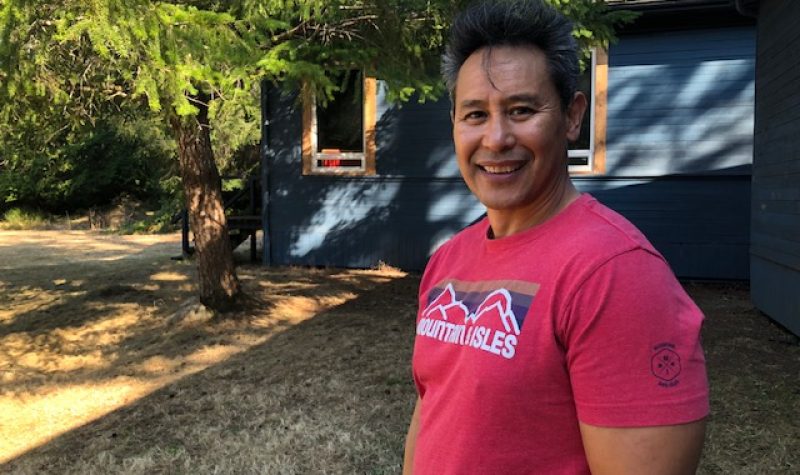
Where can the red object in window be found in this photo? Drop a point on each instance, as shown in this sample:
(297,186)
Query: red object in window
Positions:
(331,162)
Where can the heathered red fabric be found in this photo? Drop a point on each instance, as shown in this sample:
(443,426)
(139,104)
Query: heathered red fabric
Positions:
(519,338)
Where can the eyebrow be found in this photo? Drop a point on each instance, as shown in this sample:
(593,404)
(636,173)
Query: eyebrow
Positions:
(468,103)
(528,98)
(532,98)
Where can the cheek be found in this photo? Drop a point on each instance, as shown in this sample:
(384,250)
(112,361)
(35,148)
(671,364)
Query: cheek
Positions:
(465,141)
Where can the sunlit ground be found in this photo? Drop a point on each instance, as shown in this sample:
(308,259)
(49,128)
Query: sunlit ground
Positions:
(90,323)
(329,391)
(20,249)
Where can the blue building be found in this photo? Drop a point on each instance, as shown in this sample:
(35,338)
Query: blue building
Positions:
(775,230)
(668,143)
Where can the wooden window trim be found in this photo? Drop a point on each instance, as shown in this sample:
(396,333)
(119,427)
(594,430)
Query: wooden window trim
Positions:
(370,93)
(598,116)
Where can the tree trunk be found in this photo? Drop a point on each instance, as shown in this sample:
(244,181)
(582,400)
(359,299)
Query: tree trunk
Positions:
(217,281)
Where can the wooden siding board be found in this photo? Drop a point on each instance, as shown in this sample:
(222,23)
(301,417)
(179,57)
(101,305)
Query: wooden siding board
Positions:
(780,73)
(689,137)
(776,188)
(769,21)
(679,115)
(786,96)
(786,169)
(781,116)
(773,289)
(735,38)
(784,207)
(780,153)
(643,74)
(650,98)
(777,248)
(781,112)
(783,162)
(781,225)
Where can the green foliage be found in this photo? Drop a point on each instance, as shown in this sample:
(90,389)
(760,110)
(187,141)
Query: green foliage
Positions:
(236,132)
(169,203)
(233,184)
(67,66)
(158,222)
(594,21)
(20,219)
(85,166)
(170,55)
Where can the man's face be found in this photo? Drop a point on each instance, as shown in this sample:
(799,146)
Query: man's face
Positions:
(509,129)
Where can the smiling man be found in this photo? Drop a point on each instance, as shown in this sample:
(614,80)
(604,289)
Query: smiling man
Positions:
(551,337)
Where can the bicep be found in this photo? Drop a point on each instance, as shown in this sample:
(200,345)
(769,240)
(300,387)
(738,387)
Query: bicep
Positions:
(661,450)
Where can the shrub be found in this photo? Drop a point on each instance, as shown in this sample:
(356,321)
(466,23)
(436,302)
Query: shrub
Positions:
(86,166)
(19,219)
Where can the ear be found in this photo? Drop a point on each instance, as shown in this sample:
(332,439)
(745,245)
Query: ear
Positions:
(574,117)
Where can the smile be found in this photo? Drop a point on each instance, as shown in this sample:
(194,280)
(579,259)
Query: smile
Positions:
(501,169)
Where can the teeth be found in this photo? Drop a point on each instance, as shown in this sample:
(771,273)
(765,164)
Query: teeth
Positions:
(500,170)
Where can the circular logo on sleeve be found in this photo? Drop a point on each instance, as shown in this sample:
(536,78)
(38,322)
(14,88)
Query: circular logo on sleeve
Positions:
(666,364)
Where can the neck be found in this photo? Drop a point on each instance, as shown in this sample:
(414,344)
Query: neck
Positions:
(508,222)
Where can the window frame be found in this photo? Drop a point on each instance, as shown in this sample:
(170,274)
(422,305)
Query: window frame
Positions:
(309,141)
(597,115)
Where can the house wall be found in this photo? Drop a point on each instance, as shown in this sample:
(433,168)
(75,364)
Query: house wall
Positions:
(775,248)
(680,137)
(678,166)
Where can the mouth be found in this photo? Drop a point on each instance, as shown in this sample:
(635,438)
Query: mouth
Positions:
(504,169)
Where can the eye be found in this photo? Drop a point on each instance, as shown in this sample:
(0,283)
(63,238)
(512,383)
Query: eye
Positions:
(474,116)
(521,112)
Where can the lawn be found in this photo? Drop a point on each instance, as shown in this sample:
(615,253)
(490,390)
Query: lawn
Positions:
(107,367)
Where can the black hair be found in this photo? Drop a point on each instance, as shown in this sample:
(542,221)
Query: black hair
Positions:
(486,24)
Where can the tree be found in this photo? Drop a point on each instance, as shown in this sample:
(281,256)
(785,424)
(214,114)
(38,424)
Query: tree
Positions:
(188,59)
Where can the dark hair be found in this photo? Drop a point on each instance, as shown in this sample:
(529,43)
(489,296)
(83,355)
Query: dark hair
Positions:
(515,23)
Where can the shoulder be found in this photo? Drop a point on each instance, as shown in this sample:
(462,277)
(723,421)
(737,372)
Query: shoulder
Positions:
(604,226)
(593,234)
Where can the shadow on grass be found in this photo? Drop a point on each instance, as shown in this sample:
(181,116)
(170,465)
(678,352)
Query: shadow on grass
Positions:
(120,314)
(331,394)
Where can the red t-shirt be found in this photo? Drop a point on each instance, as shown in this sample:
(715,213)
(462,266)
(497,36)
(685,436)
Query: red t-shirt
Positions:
(519,338)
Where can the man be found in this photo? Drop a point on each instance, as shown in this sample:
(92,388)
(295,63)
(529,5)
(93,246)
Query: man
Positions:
(551,337)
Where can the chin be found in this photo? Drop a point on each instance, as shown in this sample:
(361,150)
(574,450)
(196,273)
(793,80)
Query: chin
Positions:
(497,203)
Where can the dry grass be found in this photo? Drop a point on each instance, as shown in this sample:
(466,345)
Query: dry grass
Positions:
(97,377)
(754,372)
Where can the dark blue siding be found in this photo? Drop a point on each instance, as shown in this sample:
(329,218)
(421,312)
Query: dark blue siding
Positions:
(416,201)
(775,249)
(681,103)
(679,152)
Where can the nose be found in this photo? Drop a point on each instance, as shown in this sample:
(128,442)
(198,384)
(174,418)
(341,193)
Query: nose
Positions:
(498,135)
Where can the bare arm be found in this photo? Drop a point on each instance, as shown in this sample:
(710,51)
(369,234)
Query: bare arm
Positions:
(411,441)
(664,450)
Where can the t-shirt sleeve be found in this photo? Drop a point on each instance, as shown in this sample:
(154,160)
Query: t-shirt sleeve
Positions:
(632,344)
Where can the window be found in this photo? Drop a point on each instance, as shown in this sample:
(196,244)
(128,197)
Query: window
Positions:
(339,137)
(587,155)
